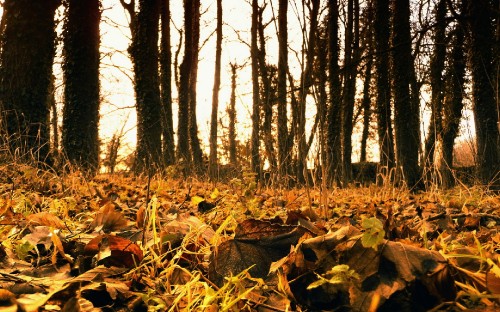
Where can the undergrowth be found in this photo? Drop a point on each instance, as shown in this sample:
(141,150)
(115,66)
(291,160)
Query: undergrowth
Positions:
(50,221)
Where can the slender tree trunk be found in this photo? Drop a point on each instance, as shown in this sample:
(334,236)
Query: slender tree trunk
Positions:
(455,81)
(366,104)
(266,96)
(168,147)
(81,88)
(436,68)
(27,56)
(183,152)
(305,84)
(406,112)
(254,52)
(196,151)
(283,148)
(322,81)
(496,62)
(232,118)
(53,110)
(348,94)
(383,98)
(484,104)
(334,110)
(215,94)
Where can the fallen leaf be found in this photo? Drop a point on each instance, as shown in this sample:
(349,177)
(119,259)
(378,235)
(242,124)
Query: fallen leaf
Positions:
(108,219)
(396,272)
(118,251)
(256,244)
(46,219)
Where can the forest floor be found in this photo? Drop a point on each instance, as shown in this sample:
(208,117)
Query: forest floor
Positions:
(117,243)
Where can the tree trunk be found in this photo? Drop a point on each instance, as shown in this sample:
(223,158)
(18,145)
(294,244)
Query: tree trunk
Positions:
(366,104)
(144,51)
(283,148)
(436,80)
(215,94)
(254,52)
(383,98)
(484,105)
(349,90)
(168,147)
(81,90)
(322,107)
(305,84)
(196,152)
(406,117)
(334,116)
(232,118)
(183,153)
(53,112)
(266,96)
(26,61)
(455,81)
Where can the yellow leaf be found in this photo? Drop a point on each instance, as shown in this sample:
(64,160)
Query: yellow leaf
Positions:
(214,194)
(195,200)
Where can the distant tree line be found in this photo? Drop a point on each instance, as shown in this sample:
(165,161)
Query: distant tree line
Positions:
(365,63)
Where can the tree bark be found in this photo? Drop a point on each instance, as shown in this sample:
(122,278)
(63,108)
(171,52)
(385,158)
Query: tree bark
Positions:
(215,94)
(322,106)
(168,144)
(80,122)
(383,97)
(267,103)
(437,85)
(406,117)
(255,140)
(455,81)
(196,152)
(484,105)
(305,84)
(334,109)
(349,91)
(283,148)
(183,152)
(366,104)
(144,51)
(27,56)
(232,118)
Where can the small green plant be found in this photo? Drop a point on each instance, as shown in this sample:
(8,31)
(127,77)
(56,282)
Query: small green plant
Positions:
(338,275)
(374,233)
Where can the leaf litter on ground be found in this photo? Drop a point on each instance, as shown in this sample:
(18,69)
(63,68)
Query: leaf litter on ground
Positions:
(107,244)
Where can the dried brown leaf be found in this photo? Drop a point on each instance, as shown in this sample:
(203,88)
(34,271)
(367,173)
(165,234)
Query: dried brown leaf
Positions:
(108,219)
(122,252)
(46,219)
